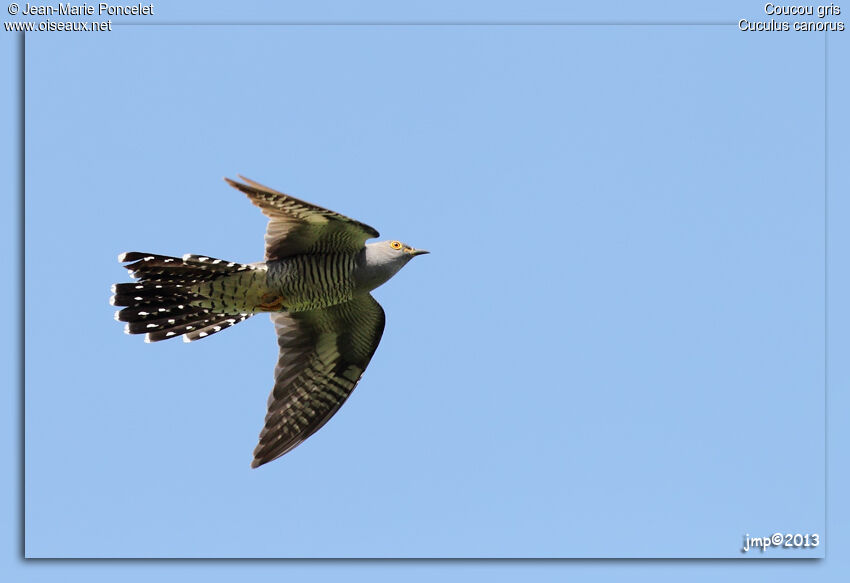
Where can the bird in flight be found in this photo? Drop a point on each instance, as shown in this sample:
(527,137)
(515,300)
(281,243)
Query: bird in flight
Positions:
(315,283)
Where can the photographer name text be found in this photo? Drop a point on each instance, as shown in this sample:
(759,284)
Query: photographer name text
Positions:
(85,9)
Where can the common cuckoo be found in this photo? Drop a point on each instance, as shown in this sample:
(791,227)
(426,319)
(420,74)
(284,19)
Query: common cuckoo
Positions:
(315,283)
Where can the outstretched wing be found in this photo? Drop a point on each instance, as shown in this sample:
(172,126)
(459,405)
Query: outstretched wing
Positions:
(323,354)
(297,227)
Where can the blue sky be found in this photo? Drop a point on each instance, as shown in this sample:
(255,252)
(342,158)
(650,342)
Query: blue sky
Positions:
(616,348)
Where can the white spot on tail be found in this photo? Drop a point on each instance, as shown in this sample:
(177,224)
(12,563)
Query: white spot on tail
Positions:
(122,257)
(202,334)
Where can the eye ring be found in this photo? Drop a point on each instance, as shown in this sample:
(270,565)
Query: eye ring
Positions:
(395,244)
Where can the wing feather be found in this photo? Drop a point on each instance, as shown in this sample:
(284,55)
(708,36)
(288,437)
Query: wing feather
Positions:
(296,227)
(323,354)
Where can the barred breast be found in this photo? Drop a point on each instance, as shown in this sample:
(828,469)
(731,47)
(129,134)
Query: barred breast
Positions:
(309,282)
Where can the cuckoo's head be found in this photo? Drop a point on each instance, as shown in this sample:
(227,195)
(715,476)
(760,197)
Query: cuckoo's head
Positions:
(384,259)
(397,247)
(394,253)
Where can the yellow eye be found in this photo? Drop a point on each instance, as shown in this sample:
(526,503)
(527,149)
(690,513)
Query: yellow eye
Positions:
(395,244)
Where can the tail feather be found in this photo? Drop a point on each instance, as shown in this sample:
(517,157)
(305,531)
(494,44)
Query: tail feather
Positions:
(186,270)
(146,294)
(162,304)
(217,325)
(141,312)
(196,329)
(154,322)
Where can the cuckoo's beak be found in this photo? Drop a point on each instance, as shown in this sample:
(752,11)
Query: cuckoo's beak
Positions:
(416,252)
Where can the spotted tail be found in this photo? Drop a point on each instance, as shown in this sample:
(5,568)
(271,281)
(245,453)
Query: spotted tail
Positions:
(172,295)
